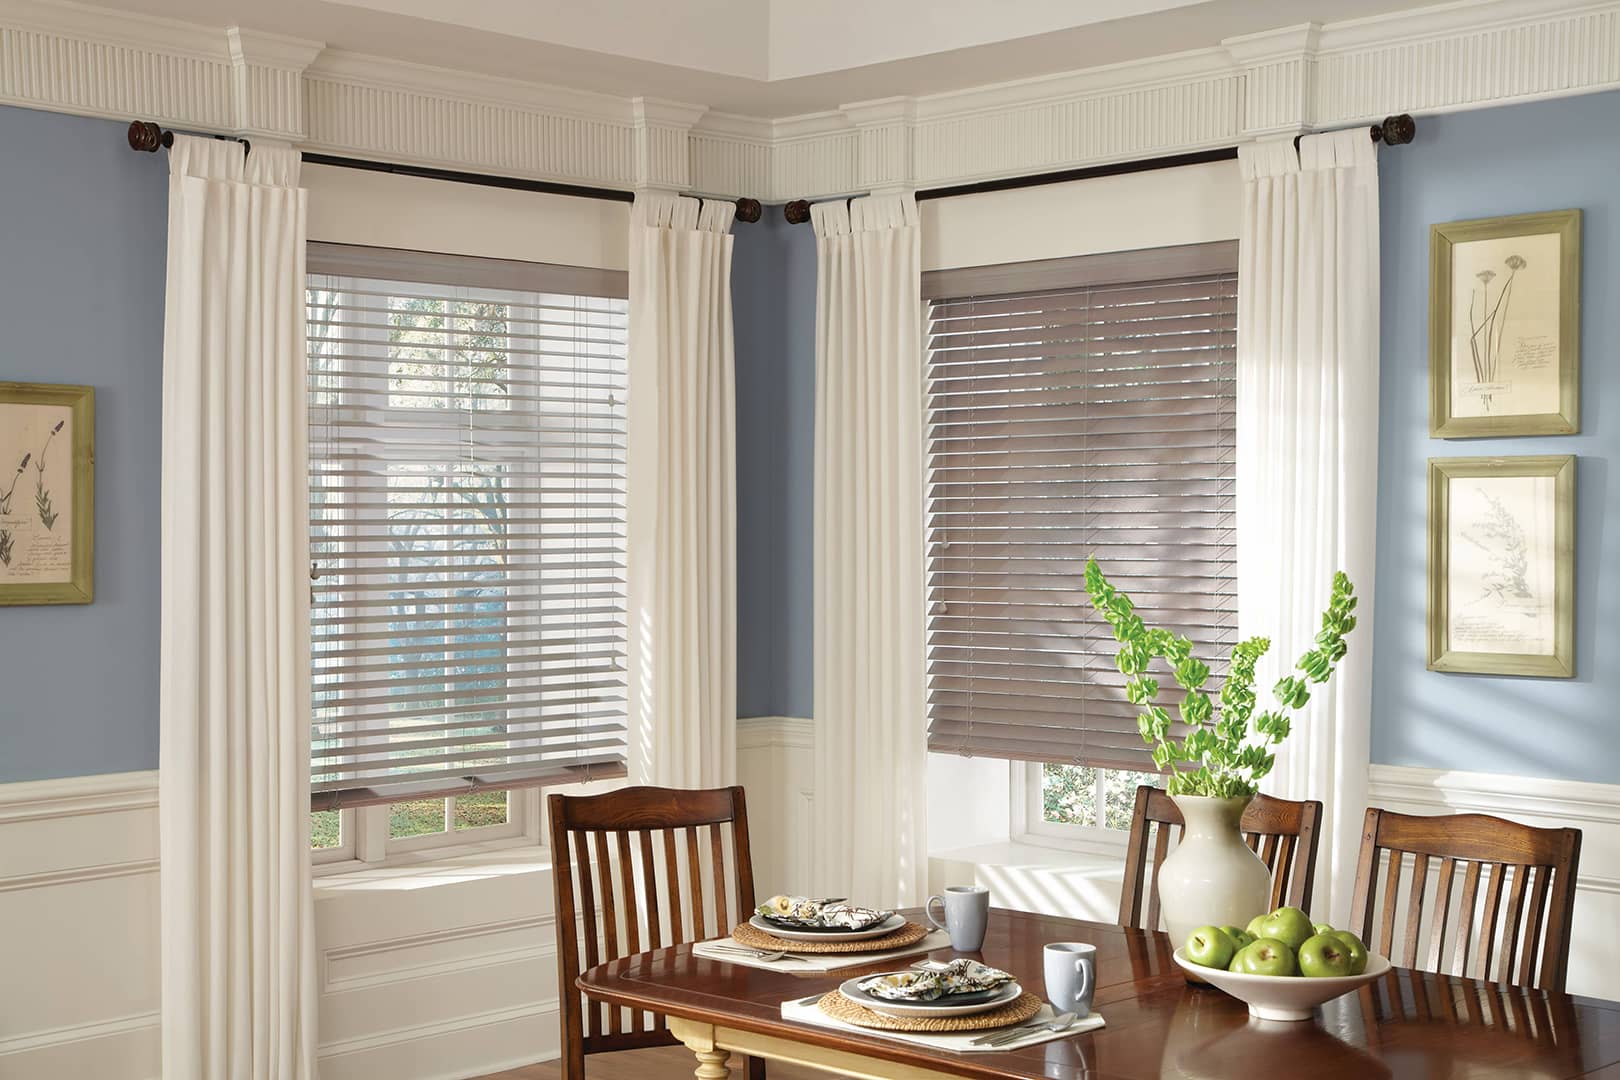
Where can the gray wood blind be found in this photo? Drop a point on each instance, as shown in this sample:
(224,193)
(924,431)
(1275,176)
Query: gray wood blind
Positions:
(467,532)
(1094,418)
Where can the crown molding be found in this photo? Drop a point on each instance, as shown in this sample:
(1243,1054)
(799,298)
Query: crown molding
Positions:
(1466,54)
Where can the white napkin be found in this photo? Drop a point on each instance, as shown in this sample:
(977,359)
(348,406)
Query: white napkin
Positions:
(960,1042)
(813,962)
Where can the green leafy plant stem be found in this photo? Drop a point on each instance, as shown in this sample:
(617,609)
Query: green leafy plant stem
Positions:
(1225,751)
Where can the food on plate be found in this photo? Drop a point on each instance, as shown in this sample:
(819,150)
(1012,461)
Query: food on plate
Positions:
(799,911)
(961,976)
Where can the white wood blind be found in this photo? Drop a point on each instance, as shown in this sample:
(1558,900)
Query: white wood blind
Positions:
(1094,419)
(466,470)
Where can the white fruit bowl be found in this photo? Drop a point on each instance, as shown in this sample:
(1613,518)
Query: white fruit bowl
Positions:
(1282,997)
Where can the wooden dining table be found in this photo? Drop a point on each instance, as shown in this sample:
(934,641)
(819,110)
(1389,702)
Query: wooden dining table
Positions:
(1405,1024)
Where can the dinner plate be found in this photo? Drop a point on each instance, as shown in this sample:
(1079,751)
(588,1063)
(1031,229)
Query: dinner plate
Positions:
(886,927)
(951,1005)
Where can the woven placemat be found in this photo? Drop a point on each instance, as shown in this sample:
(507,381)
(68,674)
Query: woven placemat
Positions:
(1016,1011)
(756,938)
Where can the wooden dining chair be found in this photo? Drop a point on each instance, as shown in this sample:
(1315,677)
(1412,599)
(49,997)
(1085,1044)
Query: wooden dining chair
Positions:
(1283,833)
(1536,868)
(628,871)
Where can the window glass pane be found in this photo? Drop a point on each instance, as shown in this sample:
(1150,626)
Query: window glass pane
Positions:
(484,808)
(1120,802)
(324,832)
(416,818)
(1069,794)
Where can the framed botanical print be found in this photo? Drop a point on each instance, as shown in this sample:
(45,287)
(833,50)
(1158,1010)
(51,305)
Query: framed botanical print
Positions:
(1502,565)
(47,493)
(1504,326)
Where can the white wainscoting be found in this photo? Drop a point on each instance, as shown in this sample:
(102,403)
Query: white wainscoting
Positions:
(775,763)
(79,903)
(428,972)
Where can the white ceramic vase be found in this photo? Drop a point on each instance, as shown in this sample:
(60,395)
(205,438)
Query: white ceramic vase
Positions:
(1211,878)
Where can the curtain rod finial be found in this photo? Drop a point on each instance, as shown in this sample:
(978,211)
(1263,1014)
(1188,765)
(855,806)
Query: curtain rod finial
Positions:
(147,136)
(749,210)
(1395,130)
(797,212)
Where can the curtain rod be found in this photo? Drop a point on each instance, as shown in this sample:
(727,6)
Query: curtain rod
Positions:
(1394,131)
(149,137)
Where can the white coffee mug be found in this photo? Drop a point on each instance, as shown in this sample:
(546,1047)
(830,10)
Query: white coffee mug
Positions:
(1071,976)
(967,914)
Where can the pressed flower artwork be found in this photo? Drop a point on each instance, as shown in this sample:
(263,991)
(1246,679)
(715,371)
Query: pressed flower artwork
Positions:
(1504,325)
(45,493)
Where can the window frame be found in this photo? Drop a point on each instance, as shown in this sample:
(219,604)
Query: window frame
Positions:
(364,832)
(1027,816)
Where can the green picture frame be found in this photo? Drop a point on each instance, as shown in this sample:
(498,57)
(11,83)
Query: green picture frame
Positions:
(1505,325)
(47,442)
(1501,589)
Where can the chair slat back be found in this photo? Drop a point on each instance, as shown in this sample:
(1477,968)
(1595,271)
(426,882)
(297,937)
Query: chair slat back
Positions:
(633,869)
(1283,833)
(1534,869)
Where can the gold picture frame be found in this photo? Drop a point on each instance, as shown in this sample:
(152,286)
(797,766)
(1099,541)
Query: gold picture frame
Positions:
(1502,565)
(1505,325)
(47,443)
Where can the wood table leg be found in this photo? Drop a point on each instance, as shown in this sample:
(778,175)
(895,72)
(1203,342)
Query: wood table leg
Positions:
(699,1038)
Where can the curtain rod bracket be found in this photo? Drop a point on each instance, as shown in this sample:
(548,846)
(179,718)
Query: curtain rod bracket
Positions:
(749,210)
(797,212)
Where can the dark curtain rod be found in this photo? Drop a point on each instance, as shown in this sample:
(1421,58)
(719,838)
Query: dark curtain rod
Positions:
(1394,131)
(149,137)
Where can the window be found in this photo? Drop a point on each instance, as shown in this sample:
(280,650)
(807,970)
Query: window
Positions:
(467,544)
(1076,407)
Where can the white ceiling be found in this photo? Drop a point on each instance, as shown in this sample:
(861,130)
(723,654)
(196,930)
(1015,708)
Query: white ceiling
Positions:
(768,58)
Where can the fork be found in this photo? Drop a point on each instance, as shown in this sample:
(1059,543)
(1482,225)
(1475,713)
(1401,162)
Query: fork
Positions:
(757,954)
(1040,1027)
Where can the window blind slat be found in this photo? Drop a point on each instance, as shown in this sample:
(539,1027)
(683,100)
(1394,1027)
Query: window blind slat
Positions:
(1064,423)
(467,534)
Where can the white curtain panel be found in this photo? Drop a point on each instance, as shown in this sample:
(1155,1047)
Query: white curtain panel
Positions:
(1307,456)
(870,838)
(237,911)
(682,495)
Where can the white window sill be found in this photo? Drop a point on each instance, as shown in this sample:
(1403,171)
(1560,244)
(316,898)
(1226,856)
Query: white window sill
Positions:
(1029,877)
(432,873)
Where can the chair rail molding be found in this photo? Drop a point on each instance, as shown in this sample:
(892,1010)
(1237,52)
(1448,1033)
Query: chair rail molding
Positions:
(1466,54)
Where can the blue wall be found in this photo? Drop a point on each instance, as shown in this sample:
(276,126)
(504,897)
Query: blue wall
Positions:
(1546,156)
(82,233)
(774,298)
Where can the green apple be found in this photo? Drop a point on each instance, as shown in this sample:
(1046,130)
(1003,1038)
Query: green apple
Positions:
(1267,956)
(1210,946)
(1357,951)
(1324,956)
(1288,925)
(1240,936)
(1253,929)
(1323,928)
